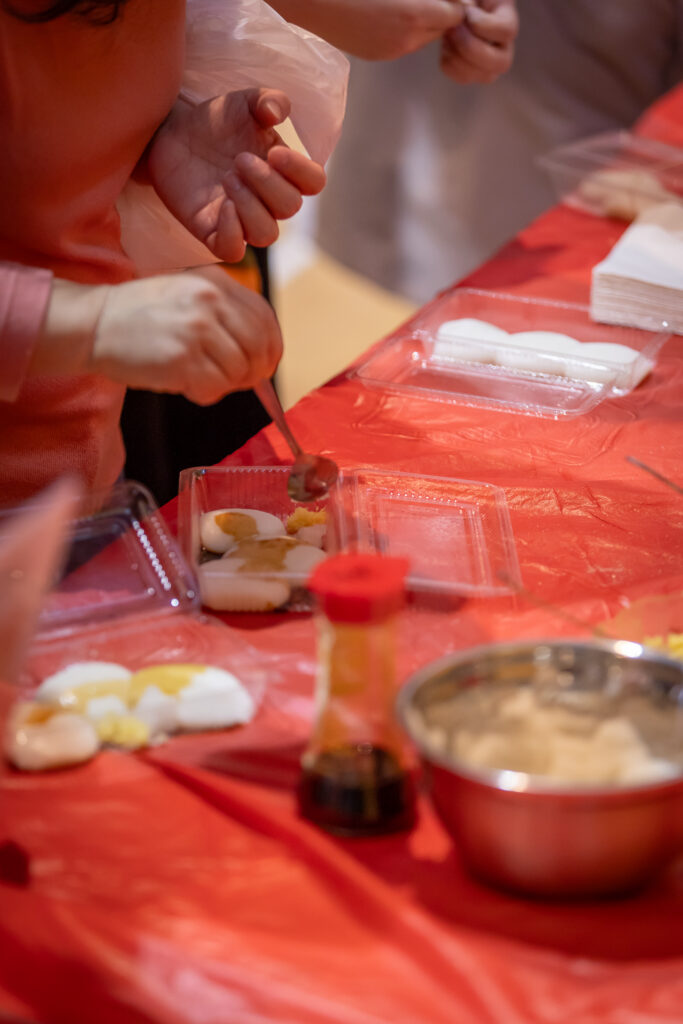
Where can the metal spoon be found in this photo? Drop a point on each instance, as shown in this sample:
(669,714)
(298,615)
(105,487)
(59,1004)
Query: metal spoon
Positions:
(655,473)
(312,475)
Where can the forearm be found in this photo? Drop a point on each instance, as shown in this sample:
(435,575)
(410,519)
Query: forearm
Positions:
(381,30)
(64,343)
(325,19)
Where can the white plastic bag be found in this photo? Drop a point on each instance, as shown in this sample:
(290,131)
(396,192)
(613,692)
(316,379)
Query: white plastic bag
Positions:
(237,44)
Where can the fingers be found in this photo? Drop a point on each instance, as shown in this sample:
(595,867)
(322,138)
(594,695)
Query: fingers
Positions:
(264,192)
(227,241)
(499,24)
(268,106)
(304,173)
(468,59)
(482,48)
(259,226)
(206,382)
(250,325)
(278,195)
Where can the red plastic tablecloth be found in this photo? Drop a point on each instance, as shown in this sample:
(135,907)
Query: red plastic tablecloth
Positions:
(181,886)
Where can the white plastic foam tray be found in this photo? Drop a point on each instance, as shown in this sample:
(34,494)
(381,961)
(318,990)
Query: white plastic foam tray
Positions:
(498,376)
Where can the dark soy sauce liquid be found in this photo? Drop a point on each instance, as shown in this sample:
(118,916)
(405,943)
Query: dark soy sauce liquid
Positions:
(357,790)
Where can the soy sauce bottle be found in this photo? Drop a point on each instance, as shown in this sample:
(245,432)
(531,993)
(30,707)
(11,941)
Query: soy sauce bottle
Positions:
(356,779)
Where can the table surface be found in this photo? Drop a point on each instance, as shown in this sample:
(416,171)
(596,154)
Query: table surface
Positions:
(180,885)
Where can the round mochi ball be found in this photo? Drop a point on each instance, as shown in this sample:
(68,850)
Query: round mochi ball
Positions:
(222,528)
(83,681)
(257,574)
(39,738)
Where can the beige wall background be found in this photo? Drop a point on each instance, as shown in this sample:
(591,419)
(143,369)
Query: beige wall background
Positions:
(328,314)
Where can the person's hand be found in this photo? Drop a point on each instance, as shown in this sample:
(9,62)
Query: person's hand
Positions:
(379,30)
(223,171)
(198,334)
(483,46)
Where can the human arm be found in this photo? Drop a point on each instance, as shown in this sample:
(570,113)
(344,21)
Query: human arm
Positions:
(481,48)
(24,295)
(197,333)
(223,171)
(380,30)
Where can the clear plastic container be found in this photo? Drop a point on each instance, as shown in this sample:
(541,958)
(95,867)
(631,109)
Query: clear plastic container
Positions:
(127,595)
(122,564)
(456,534)
(509,377)
(615,174)
(206,489)
(122,656)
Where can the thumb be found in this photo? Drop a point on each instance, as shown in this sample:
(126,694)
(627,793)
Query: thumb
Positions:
(270,107)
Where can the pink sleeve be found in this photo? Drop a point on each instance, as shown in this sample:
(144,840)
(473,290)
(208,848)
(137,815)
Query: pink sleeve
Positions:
(24,296)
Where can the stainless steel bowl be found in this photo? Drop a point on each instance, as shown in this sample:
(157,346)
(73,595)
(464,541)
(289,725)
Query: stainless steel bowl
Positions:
(535,835)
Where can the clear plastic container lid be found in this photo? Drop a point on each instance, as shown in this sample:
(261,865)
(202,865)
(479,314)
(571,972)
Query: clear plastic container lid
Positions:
(122,566)
(456,534)
(521,371)
(615,174)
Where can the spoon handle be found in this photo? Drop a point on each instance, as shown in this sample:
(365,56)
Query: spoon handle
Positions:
(268,398)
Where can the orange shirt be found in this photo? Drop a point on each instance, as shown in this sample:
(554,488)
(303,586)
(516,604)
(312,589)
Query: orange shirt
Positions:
(78,104)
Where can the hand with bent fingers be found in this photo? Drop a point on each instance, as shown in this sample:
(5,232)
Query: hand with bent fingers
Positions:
(481,48)
(223,171)
(198,334)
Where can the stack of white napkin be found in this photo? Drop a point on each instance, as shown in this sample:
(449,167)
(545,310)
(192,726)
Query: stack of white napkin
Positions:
(640,283)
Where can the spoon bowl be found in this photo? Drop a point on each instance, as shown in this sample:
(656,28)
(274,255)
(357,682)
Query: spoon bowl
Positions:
(312,476)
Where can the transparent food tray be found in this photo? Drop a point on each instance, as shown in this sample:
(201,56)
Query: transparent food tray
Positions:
(480,373)
(122,566)
(615,174)
(125,594)
(456,533)
(208,488)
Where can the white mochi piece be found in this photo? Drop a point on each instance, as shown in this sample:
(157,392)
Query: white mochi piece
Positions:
(538,352)
(63,739)
(610,352)
(79,674)
(158,710)
(99,707)
(218,538)
(464,340)
(313,534)
(226,590)
(214,699)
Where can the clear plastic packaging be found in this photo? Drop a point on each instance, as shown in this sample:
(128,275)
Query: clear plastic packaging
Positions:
(206,489)
(504,375)
(456,534)
(126,595)
(615,174)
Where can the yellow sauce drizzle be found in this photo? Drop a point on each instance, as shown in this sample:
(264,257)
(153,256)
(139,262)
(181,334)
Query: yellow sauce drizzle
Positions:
(238,524)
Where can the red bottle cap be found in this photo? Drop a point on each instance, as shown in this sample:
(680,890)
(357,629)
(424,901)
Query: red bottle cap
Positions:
(358,588)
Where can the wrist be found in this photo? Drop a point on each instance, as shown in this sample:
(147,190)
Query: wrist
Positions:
(66,340)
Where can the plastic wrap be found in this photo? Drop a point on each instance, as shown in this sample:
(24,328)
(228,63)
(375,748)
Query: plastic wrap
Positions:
(232,46)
